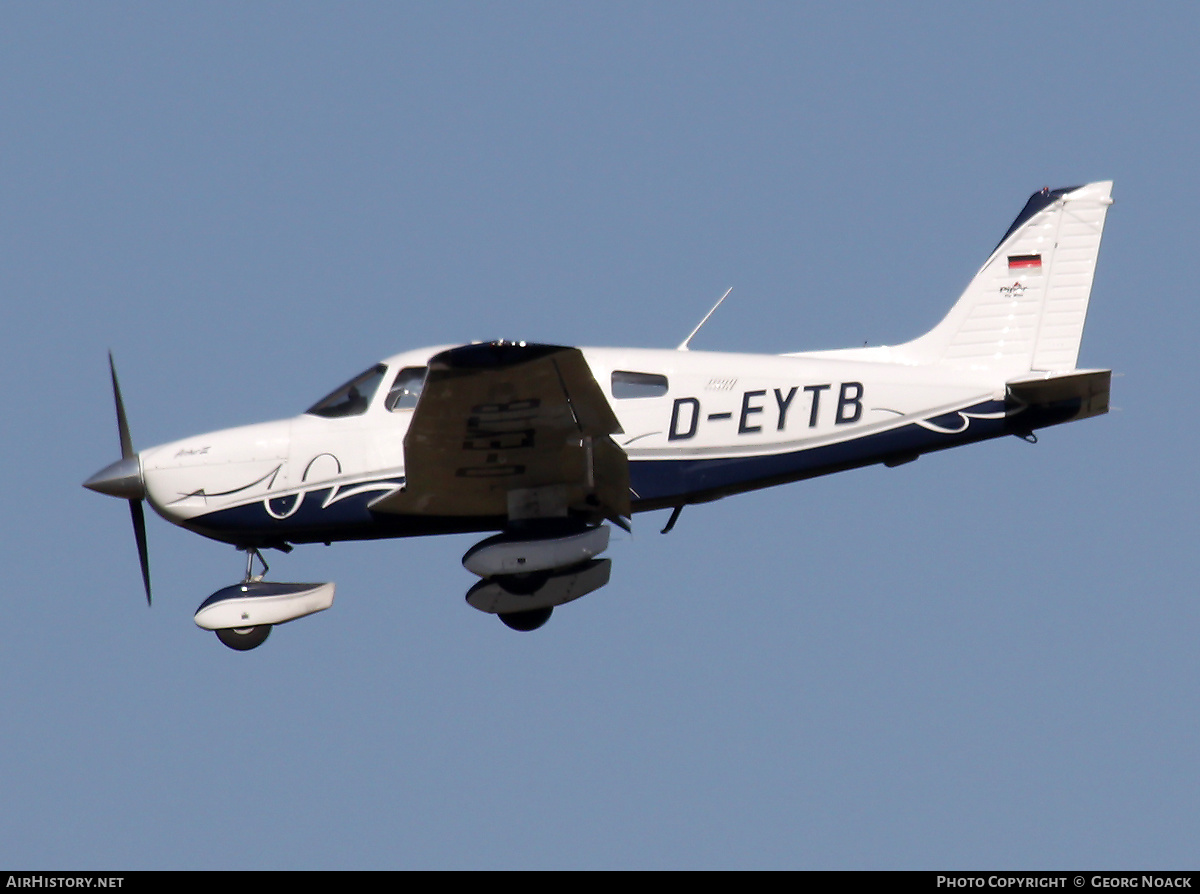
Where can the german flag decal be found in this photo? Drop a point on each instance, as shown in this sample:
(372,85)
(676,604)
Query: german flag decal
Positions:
(1026,263)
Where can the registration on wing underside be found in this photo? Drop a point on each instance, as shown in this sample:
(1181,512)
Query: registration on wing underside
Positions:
(499,418)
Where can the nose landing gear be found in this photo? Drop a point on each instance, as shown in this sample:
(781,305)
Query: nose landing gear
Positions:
(242,615)
(243,639)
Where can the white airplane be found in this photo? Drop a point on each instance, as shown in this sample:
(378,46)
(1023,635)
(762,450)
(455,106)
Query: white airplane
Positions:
(544,444)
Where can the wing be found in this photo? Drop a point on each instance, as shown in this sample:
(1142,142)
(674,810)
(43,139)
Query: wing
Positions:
(512,429)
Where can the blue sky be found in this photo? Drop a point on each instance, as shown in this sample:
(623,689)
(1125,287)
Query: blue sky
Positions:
(983,659)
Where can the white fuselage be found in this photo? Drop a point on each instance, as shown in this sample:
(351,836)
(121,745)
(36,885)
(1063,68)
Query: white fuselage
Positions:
(300,478)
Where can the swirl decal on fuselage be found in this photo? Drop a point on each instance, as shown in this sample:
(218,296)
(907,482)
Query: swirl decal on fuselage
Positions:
(205,495)
(319,511)
(963,416)
(284,507)
(950,426)
(290,503)
(280,508)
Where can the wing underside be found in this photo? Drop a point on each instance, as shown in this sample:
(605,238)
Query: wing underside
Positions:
(512,430)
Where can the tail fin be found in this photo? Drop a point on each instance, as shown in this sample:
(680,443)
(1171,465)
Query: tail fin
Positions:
(1025,308)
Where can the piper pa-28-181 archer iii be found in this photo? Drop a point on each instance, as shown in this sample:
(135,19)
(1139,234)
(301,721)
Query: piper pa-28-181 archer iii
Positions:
(544,444)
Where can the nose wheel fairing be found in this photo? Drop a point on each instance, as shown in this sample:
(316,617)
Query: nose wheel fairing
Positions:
(242,615)
(258,603)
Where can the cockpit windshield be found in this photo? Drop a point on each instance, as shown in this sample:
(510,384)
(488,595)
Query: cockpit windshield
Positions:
(353,398)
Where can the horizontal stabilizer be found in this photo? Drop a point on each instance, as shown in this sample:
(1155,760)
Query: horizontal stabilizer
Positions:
(1046,390)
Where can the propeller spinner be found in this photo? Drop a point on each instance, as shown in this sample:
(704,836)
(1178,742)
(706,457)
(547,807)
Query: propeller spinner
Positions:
(124,479)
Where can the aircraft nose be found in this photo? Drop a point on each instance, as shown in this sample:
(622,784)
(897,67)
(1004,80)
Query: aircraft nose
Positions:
(120,479)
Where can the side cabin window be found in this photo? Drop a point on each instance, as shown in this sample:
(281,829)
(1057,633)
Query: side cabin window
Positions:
(635,384)
(406,389)
(353,398)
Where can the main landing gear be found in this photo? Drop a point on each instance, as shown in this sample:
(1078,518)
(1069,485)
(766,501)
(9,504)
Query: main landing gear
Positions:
(527,571)
(530,619)
(242,615)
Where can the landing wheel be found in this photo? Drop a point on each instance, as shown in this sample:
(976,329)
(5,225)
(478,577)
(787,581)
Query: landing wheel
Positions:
(243,639)
(527,620)
(523,584)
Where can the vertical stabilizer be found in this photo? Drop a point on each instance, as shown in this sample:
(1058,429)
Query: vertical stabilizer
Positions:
(1026,307)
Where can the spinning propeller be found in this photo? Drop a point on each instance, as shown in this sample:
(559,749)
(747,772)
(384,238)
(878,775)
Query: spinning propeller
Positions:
(124,479)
